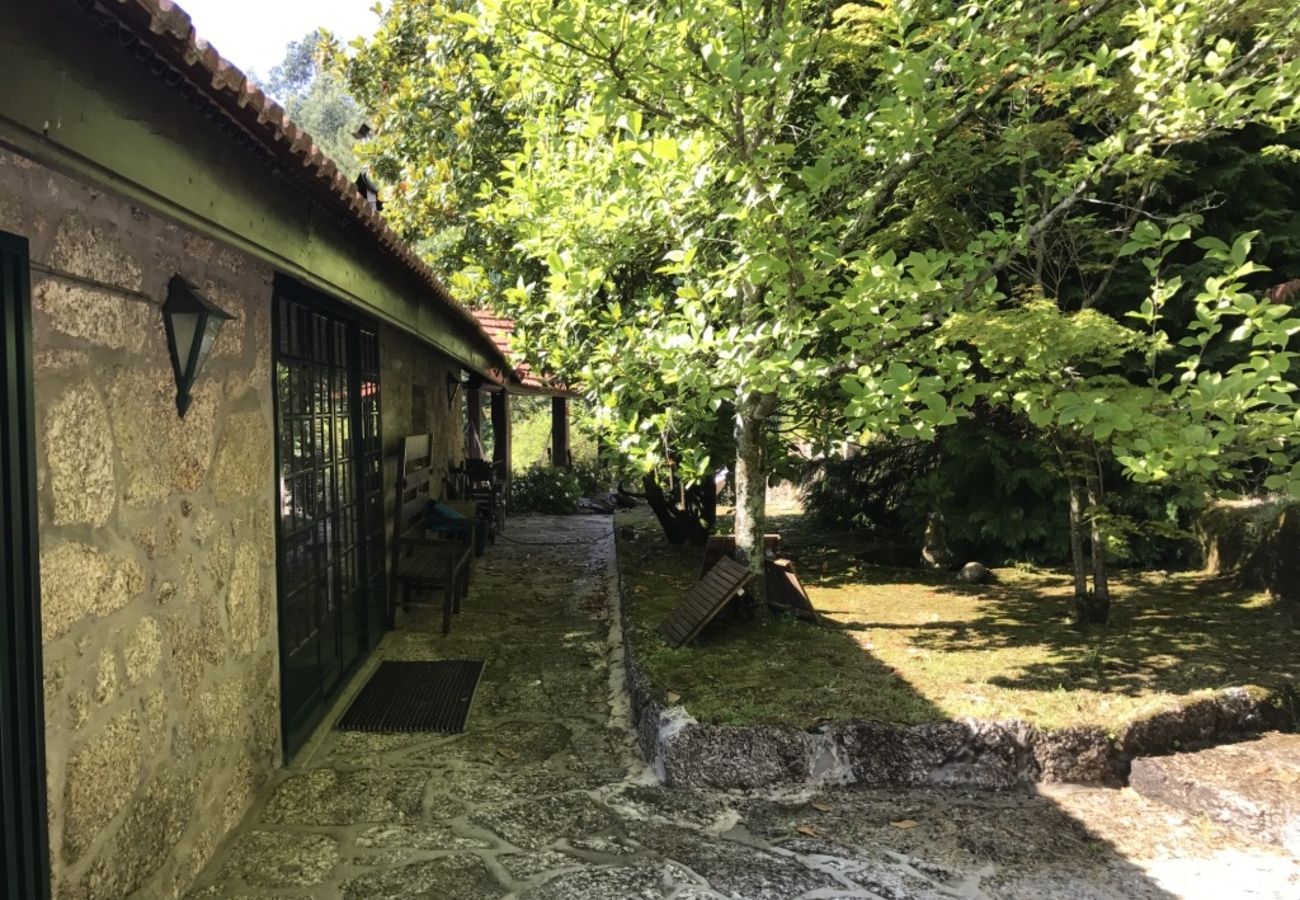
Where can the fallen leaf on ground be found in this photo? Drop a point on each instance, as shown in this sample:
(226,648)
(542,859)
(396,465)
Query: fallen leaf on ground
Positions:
(904,823)
(808,831)
(821,807)
(673,696)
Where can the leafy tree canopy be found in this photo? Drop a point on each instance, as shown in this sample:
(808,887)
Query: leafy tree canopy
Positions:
(856,219)
(316,97)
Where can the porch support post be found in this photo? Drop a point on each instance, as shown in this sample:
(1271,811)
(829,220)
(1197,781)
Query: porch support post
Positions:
(501,437)
(474,415)
(560,431)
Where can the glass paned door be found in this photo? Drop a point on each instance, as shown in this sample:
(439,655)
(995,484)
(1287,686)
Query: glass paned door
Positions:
(24,854)
(330,508)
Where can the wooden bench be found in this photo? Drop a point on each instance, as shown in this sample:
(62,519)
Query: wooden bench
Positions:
(706,598)
(720,545)
(421,561)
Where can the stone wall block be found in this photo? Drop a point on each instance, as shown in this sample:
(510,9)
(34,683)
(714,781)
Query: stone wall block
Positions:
(245,609)
(1077,754)
(100,317)
(215,646)
(231,260)
(143,651)
(727,757)
(155,706)
(220,558)
(244,458)
(79,454)
(93,251)
(217,716)
(11,214)
(184,656)
(197,248)
(161,453)
(58,360)
(264,530)
(102,775)
(146,841)
(230,341)
(77,580)
(106,678)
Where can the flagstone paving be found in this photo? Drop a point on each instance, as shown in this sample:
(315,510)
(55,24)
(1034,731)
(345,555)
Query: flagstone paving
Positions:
(544,797)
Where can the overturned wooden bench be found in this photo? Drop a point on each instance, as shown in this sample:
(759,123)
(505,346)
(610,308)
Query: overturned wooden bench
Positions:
(422,561)
(706,598)
(784,590)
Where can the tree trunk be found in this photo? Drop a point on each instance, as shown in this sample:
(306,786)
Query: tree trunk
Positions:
(751,492)
(680,525)
(1100,583)
(701,501)
(1077,552)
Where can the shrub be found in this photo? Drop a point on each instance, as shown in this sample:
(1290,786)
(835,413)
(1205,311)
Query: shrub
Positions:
(1000,492)
(545,489)
(595,478)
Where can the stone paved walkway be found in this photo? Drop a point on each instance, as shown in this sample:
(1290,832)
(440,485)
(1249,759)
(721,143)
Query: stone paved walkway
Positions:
(543,797)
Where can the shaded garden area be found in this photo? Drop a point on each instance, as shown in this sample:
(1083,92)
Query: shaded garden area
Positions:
(910,645)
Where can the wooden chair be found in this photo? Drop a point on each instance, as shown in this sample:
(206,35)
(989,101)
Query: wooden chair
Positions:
(475,480)
(421,561)
(484,488)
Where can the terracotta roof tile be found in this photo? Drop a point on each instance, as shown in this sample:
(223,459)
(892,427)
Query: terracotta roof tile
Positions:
(168,32)
(501,329)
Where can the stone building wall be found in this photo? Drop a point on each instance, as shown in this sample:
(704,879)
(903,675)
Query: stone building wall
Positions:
(156,542)
(413,381)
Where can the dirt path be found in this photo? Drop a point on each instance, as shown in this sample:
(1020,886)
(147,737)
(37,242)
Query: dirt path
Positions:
(544,797)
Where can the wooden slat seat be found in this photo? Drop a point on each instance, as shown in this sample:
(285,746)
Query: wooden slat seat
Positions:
(706,598)
(428,566)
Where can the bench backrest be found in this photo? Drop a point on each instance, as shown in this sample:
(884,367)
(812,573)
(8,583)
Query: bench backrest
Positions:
(720,545)
(414,483)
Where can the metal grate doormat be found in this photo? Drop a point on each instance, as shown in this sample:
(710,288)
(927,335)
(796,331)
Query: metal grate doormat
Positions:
(415,697)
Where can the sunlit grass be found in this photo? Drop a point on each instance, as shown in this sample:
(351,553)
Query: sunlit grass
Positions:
(912,646)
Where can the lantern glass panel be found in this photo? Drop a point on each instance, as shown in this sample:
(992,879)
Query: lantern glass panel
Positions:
(185,329)
(210,328)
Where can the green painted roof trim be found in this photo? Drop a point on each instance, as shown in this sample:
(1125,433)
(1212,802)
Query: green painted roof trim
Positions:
(79,104)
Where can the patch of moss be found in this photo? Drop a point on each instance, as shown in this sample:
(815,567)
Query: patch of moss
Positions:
(910,646)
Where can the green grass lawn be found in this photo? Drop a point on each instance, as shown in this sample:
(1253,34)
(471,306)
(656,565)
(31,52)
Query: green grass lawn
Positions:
(911,646)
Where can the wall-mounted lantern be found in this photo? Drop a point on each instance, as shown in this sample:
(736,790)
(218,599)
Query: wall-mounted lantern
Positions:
(192,325)
(454,383)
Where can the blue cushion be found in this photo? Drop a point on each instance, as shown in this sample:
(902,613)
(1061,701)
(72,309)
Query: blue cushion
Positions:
(443,511)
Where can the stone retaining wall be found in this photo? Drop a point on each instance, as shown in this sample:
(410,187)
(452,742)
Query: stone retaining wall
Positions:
(964,753)
(157,542)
